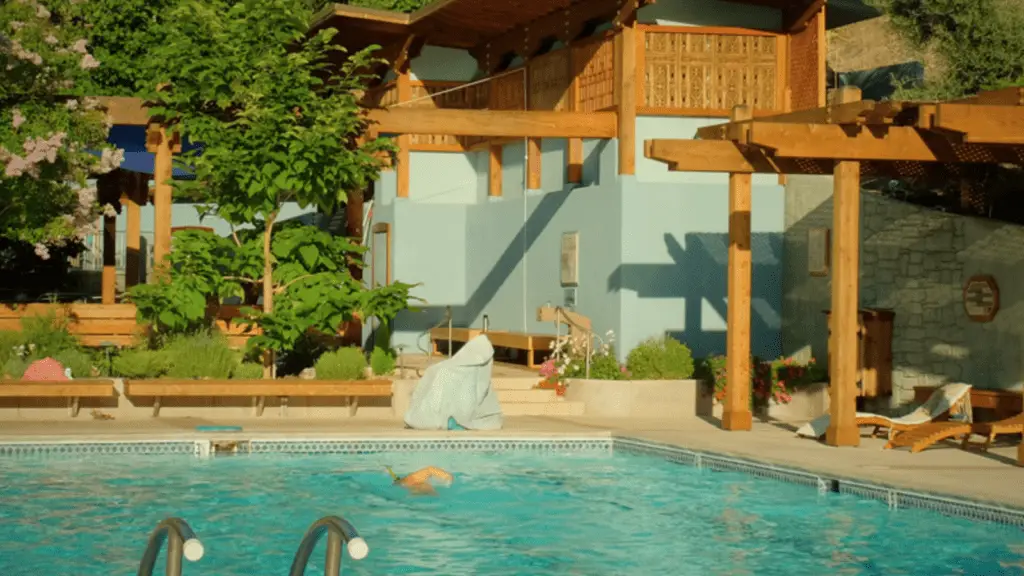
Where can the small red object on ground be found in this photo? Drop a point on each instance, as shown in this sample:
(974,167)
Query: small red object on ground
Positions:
(45,369)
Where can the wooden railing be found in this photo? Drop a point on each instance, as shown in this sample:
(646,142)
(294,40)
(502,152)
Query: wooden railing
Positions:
(681,71)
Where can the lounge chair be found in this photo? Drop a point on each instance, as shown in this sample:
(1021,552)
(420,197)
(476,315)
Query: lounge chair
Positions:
(926,435)
(946,399)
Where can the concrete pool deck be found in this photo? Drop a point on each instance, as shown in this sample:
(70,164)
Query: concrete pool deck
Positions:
(945,469)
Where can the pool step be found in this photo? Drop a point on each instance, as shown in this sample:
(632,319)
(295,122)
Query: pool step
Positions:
(527,396)
(555,408)
(515,383)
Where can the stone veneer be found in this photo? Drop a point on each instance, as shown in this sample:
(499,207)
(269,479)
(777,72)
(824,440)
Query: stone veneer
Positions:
(915,261)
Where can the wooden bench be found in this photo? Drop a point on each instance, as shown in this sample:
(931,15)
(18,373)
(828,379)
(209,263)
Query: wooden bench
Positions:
(1004,403)
(258,390)
(529,343)
(70,389)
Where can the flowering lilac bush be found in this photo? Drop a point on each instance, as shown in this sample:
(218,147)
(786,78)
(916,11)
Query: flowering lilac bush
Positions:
(48,132)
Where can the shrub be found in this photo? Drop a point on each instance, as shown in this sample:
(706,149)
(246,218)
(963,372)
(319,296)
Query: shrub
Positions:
(14,368)
(382,362)
(341,364)
(203,355)
(571,360)
(660,359)
(248,371)
(79,361)
(48,335)
(770,381)
(9,340)
(137,363)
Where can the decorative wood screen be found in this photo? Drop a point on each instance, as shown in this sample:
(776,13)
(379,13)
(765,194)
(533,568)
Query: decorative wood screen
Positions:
(710,73)
(593,64)
(806,83)
(550,78)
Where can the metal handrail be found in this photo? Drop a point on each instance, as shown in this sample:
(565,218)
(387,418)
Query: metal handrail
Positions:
(338,530)
(181,541)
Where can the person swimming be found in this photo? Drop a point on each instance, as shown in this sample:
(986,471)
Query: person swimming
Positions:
(418,482)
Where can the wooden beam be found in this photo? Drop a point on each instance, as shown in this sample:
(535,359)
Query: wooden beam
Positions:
(982,124)
(494,185)
(796,19)
(133,243)
(401,54)
(109,282)
(822,45)
(625,86)
(737,414)
(886,143)
(1013,96)
(626,15)
(849,113)
(574,167)
(844,336)
(162,144)
(125,111)
(402,169)
(709,156)
(494,123)
(533,164)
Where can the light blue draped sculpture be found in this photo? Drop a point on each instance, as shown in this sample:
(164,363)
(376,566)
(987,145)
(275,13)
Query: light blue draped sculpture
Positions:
(458,389)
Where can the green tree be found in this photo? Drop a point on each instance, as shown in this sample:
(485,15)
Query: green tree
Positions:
(980,41)
(46,133)
(247,80)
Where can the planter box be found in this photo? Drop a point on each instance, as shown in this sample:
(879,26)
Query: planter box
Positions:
(643,399)
(223,399)
(808,403)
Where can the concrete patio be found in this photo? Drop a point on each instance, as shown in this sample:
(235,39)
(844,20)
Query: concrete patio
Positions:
(945,469)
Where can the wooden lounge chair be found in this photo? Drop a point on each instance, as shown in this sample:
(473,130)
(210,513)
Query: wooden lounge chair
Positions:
(947,399)
(924,436)
(530,344)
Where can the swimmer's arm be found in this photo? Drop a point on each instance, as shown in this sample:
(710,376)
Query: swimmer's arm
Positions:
(426,474)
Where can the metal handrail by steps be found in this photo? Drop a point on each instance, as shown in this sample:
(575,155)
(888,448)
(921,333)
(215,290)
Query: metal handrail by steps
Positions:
(339,531)
(181,542)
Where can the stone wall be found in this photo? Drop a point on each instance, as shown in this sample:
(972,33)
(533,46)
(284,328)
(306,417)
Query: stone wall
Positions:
(915,261)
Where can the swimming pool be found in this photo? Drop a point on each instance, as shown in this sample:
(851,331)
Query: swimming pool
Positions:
(514,513)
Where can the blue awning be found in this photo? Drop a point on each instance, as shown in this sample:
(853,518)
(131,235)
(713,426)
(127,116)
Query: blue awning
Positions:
(132,139)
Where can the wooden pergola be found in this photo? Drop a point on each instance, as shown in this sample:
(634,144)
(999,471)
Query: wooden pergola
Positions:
(849,139)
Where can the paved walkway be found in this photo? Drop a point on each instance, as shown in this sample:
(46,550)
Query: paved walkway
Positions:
(991,477)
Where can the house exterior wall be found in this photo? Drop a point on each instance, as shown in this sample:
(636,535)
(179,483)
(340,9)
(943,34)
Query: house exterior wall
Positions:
(915,261)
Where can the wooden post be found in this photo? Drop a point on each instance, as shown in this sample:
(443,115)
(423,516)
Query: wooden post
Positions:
(402,171)
(109,286)
(494,186)
(625,75)
(737,414)
(163,147)
(842,429)
(574,146)
(533,166)
(133,232)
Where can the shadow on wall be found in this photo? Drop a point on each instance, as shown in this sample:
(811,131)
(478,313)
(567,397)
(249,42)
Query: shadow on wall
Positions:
(915,261)
(430,316)
(698,274)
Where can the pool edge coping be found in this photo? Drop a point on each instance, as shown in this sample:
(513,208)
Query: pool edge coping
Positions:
(895,496)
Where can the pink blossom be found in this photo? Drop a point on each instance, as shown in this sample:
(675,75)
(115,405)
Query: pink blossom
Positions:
(80,46)
(17,119)
(109,211)
(42,251)
(50,39)
(15,25)
(21,53)
(90,103)
(88,62)
(110,159)
(41,11)
(16,166)
(72,104)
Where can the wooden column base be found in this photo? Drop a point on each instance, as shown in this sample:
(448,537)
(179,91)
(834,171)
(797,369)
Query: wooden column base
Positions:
(741,421)
(842,436)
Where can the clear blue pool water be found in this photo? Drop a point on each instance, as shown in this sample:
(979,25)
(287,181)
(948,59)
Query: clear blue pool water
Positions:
(506,514)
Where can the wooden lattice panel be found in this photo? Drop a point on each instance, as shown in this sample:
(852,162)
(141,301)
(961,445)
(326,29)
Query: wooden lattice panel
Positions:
(508,92)
(713,72)
(440,95)
(804,75)
(594,65)
(550,78)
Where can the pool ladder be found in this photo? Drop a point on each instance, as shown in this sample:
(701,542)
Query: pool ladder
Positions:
(182,543)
